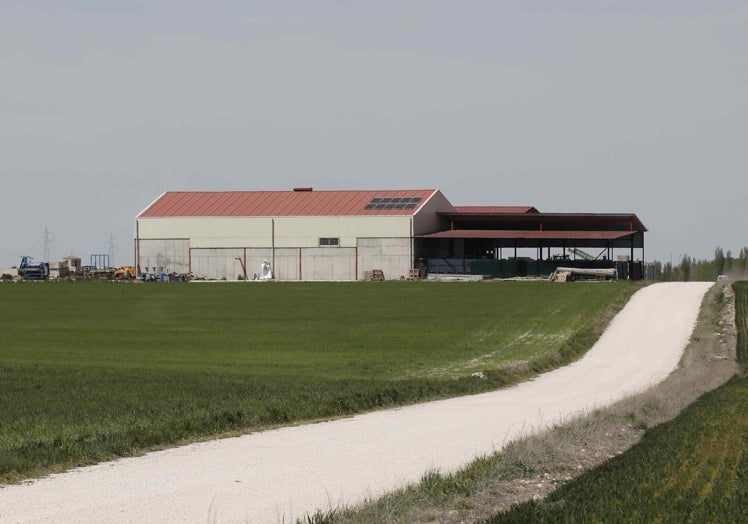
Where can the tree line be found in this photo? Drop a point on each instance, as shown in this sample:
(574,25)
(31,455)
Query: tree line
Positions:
(691,269)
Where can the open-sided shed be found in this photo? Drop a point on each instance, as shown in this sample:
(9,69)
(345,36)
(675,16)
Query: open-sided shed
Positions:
(499,233)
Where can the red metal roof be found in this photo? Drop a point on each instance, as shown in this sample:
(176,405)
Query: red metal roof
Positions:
(281,203)
(532,235)
(494,210)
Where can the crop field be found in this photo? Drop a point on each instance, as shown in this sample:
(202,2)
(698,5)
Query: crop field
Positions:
(91,371)
(692,469)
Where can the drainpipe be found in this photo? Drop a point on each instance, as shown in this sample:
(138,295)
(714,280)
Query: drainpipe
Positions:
(137,248)
(412,247)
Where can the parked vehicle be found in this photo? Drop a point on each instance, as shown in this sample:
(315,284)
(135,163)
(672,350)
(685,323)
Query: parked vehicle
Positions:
(29,271)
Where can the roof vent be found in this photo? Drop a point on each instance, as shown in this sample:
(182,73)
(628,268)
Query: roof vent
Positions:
(300,189)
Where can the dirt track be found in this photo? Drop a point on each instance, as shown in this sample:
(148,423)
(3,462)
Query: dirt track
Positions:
(279,475)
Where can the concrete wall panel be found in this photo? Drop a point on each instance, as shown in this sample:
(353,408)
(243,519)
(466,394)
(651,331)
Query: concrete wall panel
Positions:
(391,255)
(284,263)
(170,255)
(335,263)
(217,264)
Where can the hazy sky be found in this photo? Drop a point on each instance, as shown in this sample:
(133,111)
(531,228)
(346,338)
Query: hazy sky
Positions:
(569,106)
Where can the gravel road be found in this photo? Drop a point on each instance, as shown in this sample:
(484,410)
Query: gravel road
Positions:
(279,475)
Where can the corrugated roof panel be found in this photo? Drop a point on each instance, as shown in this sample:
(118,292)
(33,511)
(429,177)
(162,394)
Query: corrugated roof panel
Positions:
(278,203)
(534,234)
(494,210)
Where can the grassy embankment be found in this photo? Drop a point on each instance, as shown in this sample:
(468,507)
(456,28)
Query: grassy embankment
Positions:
(91,371)
(692,469)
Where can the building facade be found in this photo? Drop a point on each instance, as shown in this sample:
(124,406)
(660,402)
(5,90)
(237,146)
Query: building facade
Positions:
(303,234)
(347,235)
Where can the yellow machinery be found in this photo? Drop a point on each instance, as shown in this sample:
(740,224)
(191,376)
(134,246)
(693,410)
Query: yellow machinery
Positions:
(124,273)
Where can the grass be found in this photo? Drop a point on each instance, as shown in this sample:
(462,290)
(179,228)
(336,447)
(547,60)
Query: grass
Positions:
(91,371)
(691,469)
(686,469)
(741,321)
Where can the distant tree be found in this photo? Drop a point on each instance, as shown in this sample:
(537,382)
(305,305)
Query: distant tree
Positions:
(691,269)
(667,272)
(729,262)
(657,270)
(685,268)
(719,260)
(703,270)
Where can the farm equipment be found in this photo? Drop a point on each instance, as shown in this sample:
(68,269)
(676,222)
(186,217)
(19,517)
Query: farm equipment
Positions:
(569,274)
(582,254)
(29,271)
(99,268)
(124,273)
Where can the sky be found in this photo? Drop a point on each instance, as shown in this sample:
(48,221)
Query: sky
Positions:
(567,105)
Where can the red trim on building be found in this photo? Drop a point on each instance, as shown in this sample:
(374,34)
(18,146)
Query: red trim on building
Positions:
(532,235)
(494,210)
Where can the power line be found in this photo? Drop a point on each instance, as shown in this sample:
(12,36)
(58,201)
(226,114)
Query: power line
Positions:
(49,238)
(111,246)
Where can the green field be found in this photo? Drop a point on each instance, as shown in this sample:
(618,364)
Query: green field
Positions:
(95,370)
(692,469)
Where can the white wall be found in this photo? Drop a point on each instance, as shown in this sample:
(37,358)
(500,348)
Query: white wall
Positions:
(171,254)
(283,232)
(209,232)
(391,255)
(426,220)
(328,263)
(284,262)
(213,263)
(209,247)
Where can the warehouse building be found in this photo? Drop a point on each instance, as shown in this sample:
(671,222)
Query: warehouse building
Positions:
(302,234)
(354,235)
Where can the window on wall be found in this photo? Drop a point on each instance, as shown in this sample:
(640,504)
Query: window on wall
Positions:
(329,241)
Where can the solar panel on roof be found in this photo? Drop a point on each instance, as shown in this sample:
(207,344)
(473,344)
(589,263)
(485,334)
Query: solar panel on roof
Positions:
(386,203)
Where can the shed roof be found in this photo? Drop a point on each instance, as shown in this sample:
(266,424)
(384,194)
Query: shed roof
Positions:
(494,210)
(547,238)
(533,234)
(300,202)
(543,221)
